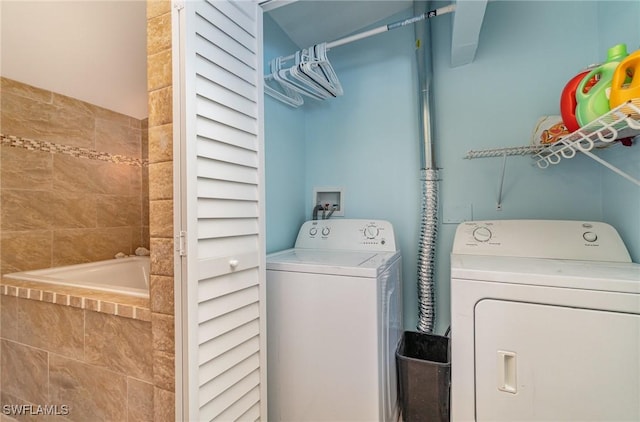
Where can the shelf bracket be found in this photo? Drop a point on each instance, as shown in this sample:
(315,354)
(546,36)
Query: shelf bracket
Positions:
(611,167)
(504,167)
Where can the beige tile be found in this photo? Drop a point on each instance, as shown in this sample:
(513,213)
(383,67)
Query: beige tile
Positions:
(62,299)
(71,210)
(163,332)
(136,182)
(23,371)
(52,327)
(73,106)
(76,301)
(138,238)
(145,237)
(10,399)
(161,218)
(139,400)
(144,176)
(164,370)
(158,7)
(143,314)
(159,70)
(119,211)
(23,251)
(9,317)
(161,106)
(92,176)
(68,125)
(120,344)
(145,202)
(23,117)
(35,294)
(92,393)
(91,304)
(31,119)
(49,297)
(115,117)
(25,169)
(117,139)
(10,86)
(125,311)
(161,291)
(10,416)
(161,181)
(144,141)
(25,210)
(161,257)
(107,307)
(161,143)
(163,405)
(74,246)
(158,33)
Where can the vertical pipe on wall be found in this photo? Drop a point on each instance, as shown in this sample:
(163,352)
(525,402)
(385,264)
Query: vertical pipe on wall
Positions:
(429,177)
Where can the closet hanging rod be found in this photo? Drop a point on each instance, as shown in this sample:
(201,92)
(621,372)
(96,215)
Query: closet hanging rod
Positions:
(384,28)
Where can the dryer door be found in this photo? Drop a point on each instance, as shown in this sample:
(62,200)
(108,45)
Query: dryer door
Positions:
(542,362)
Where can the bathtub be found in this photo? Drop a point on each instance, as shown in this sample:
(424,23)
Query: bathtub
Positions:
(128,276)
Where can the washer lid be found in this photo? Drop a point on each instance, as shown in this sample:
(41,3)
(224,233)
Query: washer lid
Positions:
(583,275)
(334,262)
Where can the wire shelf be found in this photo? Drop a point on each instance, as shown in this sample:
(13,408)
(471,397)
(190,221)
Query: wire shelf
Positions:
(501,152)
(621,122)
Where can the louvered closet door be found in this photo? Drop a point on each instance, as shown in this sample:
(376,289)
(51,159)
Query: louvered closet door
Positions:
(223,273)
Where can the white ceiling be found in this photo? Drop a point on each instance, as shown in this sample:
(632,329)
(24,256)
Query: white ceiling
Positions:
(91,50)
(309,22)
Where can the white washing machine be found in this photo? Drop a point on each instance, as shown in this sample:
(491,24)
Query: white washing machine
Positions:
(334,319)
(545,323)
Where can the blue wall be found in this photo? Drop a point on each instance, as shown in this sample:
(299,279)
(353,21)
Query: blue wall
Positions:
(367,140)
(284,153)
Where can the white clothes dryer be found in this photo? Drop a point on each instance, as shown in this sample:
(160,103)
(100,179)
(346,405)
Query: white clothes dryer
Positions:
(545,323)
(334,320)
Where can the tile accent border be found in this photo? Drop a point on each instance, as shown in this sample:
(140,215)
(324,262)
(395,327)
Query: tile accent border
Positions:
(78,301)
(78,152)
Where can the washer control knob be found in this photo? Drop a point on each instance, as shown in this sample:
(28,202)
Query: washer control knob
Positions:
(482,234)
(590,236)
(313,231)
(325,231)
(371,232)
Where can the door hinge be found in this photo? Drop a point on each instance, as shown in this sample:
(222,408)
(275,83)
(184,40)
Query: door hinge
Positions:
(181,243)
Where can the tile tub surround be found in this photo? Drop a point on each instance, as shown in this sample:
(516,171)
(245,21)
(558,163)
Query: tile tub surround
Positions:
(103,302)
(73,181)
(96,362)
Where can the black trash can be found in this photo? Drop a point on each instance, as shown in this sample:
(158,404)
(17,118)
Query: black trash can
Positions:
(424,377)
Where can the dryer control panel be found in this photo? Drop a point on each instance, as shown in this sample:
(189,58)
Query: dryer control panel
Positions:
(551,239)
(347,234)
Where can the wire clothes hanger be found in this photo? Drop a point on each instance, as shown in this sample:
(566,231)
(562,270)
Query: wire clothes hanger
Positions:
(311,73)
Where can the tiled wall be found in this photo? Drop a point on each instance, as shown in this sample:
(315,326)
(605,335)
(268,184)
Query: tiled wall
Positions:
(98,365)
(159,188)
(73,187)
(159,81)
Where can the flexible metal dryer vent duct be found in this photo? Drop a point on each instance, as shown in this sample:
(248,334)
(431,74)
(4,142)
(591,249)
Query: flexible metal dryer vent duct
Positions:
(429,178)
